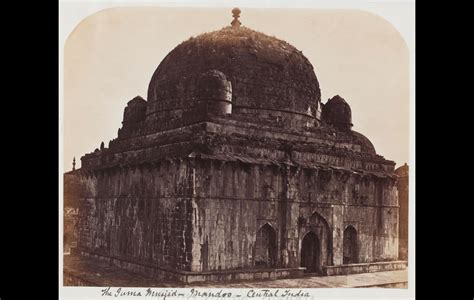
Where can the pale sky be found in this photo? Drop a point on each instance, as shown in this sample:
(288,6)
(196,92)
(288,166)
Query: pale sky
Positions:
(110,57)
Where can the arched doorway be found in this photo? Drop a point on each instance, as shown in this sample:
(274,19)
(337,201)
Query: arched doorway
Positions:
(310,253)
(318,226)
(350,249)
(265,247)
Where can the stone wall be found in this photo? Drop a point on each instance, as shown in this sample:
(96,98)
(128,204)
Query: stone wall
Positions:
(70,229)
(225,135)
(72,189)
(73,280)
(403,193)
(365,268)
(199,214)
(234,200)
(141,214)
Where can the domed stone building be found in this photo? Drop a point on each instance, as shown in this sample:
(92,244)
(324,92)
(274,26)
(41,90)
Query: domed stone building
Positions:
(233,168)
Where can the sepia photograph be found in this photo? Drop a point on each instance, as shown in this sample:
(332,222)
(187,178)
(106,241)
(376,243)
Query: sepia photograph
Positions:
(234,147)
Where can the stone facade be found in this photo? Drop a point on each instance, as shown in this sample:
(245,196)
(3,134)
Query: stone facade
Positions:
(402,187)
(72,187)
(229,166)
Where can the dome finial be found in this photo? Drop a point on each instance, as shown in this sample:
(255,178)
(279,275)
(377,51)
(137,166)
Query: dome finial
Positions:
(236,14)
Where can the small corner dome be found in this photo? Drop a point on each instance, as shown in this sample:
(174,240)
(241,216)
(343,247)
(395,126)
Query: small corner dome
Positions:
(365,144)
(402,171)
(337,112)
(135,110)
(213,84)
(137,100)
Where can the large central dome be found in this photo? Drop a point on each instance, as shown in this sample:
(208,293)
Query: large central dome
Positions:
(266,75)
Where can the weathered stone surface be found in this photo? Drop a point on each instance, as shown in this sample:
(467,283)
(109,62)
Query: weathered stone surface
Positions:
(90,272)
(337,113)
(365,268)
(403,195)
(70,232)
(265,184)
(259,67)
